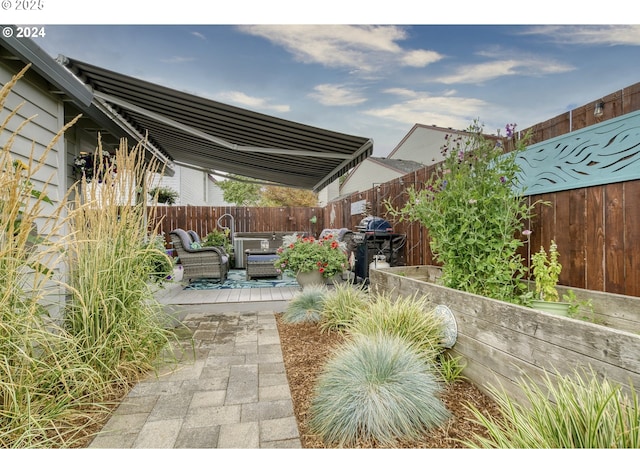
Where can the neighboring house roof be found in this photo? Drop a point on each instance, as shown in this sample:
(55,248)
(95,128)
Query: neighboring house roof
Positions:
(399,165)
(198,132)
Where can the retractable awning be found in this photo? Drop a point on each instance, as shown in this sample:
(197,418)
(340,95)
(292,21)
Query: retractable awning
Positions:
(217,137)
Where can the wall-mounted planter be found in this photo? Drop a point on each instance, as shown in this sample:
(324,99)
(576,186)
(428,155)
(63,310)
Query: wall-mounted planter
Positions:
(501,341)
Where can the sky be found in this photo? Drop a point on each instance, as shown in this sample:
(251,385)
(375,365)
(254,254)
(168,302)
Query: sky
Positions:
(373,81)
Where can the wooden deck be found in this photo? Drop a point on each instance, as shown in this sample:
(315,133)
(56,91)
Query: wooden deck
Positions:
(177,300)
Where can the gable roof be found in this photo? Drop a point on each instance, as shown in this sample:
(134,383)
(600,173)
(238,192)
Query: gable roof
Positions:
(400,165)
(198,132)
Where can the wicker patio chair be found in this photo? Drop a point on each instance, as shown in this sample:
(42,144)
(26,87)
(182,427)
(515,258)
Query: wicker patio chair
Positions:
(209,262)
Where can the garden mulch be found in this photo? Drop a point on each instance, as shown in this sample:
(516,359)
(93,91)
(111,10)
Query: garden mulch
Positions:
(305,350)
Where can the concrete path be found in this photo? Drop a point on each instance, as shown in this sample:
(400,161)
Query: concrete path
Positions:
(230,390)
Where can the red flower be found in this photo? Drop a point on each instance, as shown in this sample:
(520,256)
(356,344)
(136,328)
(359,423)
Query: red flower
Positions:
(319,264)
(334,244)
(321,270)
(291,245)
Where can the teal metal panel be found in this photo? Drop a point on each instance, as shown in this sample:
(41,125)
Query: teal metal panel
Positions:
(600,154)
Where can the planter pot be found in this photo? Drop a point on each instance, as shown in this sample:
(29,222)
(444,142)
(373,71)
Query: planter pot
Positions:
(306,278)
(557,308)
(178,273)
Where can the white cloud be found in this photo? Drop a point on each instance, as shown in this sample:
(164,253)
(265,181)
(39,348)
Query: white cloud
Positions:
(199,35)
(456,112)
(178,59)
(401,92)
(336,95)
(590,35)
(243,99)
(365,48)
(485,71)
(420,58)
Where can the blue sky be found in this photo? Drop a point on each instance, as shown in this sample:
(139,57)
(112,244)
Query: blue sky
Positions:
(372,81)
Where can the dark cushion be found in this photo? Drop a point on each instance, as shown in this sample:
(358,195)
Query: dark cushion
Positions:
(185,238)
(262,257)
(194,236)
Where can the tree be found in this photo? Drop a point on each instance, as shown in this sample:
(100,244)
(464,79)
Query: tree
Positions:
(287,196)
(240,193)
(243,191)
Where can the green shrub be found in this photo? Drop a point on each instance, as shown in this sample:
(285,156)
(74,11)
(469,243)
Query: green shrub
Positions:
(408,317)
(474,210)
(219,238)
(306,306)
(165,195)
(341,305)
(375,389)
(578,411)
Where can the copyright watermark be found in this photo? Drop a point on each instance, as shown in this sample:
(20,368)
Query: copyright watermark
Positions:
(24,32)
(22,5)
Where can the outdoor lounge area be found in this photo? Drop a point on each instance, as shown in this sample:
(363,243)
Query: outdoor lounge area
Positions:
(120,354)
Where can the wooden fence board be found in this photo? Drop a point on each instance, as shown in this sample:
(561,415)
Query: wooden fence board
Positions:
(595,237)
(632,237)
(614,238)
(575,243)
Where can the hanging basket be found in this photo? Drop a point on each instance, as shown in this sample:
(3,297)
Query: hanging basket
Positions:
(88,166)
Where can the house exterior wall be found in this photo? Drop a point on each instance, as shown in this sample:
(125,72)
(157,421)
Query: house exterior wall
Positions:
(329,193)
(365,175)
(47,111)
(422,144)
(193,186)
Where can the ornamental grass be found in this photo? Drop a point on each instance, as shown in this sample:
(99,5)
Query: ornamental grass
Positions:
(375,390)
(112,259)
(57,370)
(409,317)
(341,306)
(306,306)
(42,376)
(581,410)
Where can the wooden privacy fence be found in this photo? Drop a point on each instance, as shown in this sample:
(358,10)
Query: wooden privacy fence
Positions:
(206,219)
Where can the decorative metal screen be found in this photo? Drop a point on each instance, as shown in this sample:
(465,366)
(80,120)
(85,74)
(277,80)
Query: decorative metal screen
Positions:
(600,154)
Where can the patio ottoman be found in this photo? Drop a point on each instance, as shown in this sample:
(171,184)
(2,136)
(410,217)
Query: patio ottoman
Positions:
(259,264)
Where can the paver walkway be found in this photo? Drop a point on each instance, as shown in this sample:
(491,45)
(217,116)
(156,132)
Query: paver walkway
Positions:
(230,390)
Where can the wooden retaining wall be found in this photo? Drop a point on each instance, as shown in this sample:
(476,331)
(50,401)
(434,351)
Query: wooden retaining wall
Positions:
(501,341)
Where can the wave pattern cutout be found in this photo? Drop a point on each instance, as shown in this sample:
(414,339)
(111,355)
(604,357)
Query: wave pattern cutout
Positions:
(600,154)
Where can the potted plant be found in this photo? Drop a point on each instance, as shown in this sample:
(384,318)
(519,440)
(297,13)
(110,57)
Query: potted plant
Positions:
(546,270)
(219,239)
(94,165)
(311,257)
(165,195)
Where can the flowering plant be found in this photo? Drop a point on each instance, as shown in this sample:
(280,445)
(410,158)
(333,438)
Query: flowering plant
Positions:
(474,211)
(90,165)
(326,255)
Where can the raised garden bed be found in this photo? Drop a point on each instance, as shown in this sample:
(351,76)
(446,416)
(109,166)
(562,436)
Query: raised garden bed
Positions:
(501,341)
